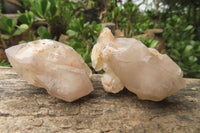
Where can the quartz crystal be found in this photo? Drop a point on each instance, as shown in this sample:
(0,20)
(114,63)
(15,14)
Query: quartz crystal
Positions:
(129,63)
(52,65)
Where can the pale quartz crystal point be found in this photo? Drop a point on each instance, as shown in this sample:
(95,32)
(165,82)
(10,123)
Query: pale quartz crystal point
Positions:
(54,66)
(144,71)
(103,39)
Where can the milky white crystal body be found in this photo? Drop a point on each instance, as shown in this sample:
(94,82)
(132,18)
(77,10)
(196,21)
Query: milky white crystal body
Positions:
(129,63)
(52,65)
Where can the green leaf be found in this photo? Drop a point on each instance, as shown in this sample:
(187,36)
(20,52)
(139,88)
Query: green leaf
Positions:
(4,36)
(3,19)
(22,18)
(37,9)
(26,18)
(187,50)
(5,63)
(189,27)
(113,15)
(30,16)
(53,8)
(22,28)
(153,44)
(3,27)
(43,33)
(86,25)
(41,30)
(53,2)
(11,22)
(133,9)
(44,4)
(7,24)
(46,35)
(192,59)
(71,32)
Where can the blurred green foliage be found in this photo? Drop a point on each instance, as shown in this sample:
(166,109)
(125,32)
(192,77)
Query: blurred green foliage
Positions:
(83,36)
(128,18)
(149,42)
(43,33)
(5,63)
(26,18)
(48,10)
(181,46)
(10,27)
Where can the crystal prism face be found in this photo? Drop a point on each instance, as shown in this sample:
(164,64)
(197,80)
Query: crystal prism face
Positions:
(52,65)
(129,63)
